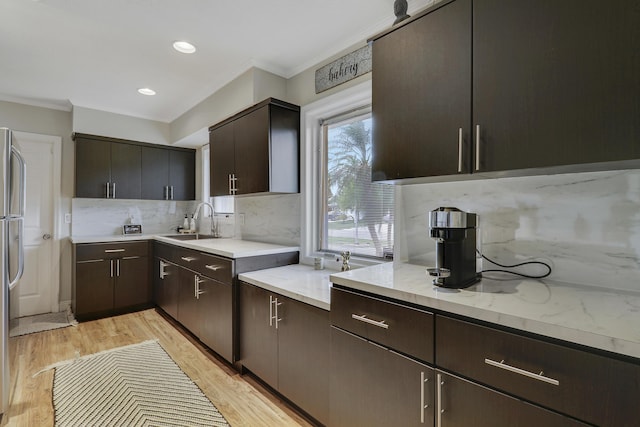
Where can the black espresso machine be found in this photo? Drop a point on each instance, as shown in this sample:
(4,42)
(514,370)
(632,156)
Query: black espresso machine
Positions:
(455,234)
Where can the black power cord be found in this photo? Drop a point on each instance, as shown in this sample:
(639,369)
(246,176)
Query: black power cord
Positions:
(528,276)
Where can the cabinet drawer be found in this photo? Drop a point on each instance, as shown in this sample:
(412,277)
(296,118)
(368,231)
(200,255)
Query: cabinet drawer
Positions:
(93,251)
(215,267)
(587,386)
(398,327)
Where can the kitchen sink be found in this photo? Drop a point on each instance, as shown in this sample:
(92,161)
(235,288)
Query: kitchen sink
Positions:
(194,236)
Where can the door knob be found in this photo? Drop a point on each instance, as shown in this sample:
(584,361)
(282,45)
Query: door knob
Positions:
(46,236)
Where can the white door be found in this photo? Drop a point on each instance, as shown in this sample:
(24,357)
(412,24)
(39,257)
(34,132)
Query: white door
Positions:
(37,291)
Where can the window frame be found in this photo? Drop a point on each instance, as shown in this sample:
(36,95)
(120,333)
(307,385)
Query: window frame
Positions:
(312,115)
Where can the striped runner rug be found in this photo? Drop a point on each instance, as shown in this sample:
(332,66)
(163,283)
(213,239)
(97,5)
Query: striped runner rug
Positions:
(136,385)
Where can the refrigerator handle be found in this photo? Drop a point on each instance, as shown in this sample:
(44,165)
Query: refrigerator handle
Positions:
(14,281)
(23,179)
(20,219)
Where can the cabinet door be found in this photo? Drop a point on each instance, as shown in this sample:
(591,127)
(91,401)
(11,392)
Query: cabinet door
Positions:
(126,171)
(258,340)
(187,301)
(216,316)
(373,386)
(182,175)
(556,83)
(132,286)
(166,288)
(251,136)
(93,168)
(463,403)
(303,356)
(155,173)
(421,96)
(222,159)
(94,288)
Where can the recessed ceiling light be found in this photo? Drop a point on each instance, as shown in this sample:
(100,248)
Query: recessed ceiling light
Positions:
(184,47)
(146,91)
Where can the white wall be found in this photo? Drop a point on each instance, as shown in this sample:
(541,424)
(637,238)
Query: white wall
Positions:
(103,123)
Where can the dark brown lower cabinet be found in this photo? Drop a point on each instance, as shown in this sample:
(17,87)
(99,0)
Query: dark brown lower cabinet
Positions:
(108,281)
(94,288)
(258,336)
(371,385)
(286,344)
(463,403)
(188,303)
(166,285)
(214,308)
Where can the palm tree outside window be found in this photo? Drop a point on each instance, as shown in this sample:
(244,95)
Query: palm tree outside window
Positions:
(357,214)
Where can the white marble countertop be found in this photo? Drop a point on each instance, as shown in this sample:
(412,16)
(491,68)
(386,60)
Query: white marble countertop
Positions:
(594,317)
(230,248)
(300,282)
(113,238)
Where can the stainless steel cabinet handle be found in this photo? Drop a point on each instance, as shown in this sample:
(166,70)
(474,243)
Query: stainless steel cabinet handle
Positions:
(188,258)
(213,267)
(111,251)
(539,377)
(171,188)
(477,147)
(165,192)
(423,397)
(439,409)
(277,317)
(365,319)
(196,286)
(111,268)
(271,301)
(460,150)
(117,268)
(113,193)
(108,187)
(163,273)
(230,184)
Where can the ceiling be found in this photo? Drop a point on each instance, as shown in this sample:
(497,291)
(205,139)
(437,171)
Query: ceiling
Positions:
(97,53)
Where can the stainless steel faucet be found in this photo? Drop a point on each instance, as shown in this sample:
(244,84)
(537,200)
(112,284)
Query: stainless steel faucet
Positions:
(214,229)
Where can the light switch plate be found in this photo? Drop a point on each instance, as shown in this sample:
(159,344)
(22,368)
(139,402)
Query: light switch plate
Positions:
(67,218)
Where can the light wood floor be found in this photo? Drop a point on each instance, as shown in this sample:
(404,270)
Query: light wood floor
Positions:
(240,399)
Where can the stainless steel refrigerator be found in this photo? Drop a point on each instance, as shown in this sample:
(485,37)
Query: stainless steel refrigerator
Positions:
(12,206)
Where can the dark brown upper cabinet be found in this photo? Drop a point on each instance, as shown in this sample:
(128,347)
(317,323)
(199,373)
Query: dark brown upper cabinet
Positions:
(421,96)
(494,86)
(256,150)
(168,174)
(120,169)
(107,170)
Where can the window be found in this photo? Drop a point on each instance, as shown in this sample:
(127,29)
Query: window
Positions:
(357,214)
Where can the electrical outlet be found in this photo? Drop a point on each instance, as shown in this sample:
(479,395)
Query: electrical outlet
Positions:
(67,218)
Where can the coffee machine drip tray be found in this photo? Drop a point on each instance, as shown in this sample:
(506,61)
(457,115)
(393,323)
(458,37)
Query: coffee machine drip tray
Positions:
(438,273)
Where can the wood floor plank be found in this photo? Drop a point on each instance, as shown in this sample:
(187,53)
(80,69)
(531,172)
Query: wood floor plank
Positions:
(240,399)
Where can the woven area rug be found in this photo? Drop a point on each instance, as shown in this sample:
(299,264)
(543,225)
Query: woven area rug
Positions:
(137,385)
(41,322)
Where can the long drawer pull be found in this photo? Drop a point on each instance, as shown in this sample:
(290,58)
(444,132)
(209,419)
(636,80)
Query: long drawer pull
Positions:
(213,267)
(112,251)
(365,319)
(188,258)
(539,377)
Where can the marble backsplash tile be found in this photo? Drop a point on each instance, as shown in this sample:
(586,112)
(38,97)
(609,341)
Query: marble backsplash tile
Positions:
(586,225)
(98,217)
(269,218)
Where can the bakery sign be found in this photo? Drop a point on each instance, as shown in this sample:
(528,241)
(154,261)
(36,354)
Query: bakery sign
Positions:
(343,69)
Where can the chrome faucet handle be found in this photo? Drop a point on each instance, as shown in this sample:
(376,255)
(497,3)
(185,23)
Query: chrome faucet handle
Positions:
(346,256)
